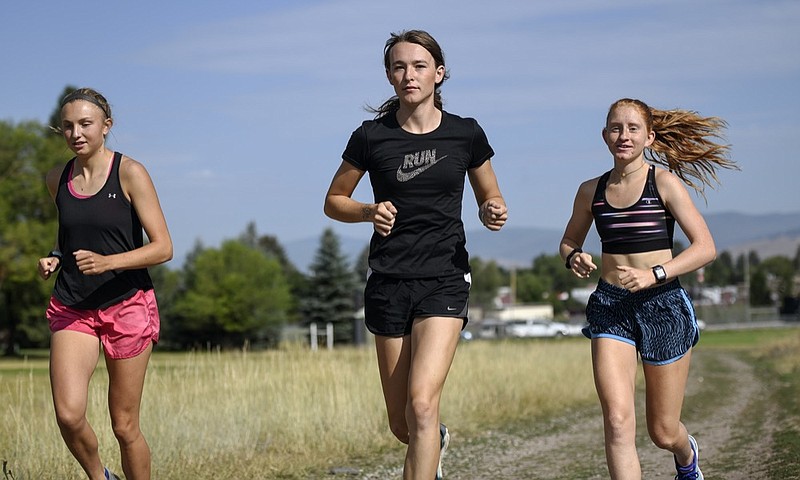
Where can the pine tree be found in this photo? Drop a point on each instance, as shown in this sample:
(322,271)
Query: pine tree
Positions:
(360,277)
(329,297)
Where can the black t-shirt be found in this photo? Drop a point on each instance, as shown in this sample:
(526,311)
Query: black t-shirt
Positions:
(104,223)
(423,176)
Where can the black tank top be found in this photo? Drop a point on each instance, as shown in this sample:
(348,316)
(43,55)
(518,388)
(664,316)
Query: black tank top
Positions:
(105,223)
(645,226)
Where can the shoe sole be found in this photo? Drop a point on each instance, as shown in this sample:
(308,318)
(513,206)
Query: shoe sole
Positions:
(445,443)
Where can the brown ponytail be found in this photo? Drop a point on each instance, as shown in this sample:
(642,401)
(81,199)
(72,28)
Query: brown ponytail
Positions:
(425,40)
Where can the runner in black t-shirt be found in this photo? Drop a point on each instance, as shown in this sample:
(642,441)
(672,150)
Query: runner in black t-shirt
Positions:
(417,292)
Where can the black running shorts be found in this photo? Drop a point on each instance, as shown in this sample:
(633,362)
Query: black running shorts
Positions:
(391,304)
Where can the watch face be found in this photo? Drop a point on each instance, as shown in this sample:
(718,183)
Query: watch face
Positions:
(659,273)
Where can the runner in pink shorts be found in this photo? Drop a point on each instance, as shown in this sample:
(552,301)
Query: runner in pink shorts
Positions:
(125,329)
(103,294)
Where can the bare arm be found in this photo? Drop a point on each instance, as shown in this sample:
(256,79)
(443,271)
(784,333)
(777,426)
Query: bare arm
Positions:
(48,265)
(139,188)
(492,209)
(701,250)
(340,206)
(577,228)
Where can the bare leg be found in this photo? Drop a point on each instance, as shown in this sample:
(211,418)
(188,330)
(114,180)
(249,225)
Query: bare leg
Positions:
(433,346)
(666,385)
(73,358)
(126,382)
(394,360)
(413,369)
(615,364)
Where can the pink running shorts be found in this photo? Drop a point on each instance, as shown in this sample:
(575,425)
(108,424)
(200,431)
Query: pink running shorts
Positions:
(125,329)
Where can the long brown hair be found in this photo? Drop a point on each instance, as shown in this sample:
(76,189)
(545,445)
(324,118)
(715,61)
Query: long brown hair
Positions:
(685,143)
(426,41)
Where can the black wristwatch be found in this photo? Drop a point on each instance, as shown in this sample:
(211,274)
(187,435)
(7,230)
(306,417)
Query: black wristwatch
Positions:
(56,254)
(568,262)
(660,274)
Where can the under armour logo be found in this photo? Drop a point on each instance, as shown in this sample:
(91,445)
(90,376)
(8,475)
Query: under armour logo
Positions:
(112,195)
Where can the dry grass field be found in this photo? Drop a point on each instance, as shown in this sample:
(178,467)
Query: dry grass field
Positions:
(287,413)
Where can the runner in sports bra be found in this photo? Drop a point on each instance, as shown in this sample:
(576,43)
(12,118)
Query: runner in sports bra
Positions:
(645,226)
(639,309)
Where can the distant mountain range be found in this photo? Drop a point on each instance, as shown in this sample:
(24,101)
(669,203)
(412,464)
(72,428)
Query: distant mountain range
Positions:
(768,235)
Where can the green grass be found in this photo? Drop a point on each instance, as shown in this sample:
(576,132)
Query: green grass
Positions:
(743,338)
(781,359)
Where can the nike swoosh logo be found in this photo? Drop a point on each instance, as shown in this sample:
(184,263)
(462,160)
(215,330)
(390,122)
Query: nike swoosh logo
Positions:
(451,309)
(406,176)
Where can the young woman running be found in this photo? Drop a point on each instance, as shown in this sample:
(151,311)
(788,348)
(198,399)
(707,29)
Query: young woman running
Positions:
(416,296)
(639,307)
(103,295)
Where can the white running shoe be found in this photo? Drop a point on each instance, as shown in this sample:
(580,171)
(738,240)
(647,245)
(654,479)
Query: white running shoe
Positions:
(695,474)
(109,475)
(444,441)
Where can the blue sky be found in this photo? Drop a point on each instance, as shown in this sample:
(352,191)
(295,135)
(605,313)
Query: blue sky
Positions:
(240,110)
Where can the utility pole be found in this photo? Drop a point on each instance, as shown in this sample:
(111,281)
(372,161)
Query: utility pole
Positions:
(747,287)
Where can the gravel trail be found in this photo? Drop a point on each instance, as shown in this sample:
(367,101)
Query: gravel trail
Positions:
(726,409)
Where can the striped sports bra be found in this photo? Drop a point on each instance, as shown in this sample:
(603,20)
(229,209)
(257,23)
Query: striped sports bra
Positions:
(645,226)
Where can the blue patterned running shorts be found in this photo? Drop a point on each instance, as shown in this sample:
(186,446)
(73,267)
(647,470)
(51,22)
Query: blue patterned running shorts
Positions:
(660,321)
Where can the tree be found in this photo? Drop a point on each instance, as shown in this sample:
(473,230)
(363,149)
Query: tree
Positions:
(487,278)
(270,247)
(232,295)
(548,280)
(533,288)
(55,115)
(796,261)
(759,289)
(721,271)
(329,297)
(741,269)
(266,244)
(753,258)
(780,269)
(168,285)
(360,270)
(27,230)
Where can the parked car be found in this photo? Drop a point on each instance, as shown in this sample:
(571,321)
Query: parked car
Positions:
(491,328)
(540,328)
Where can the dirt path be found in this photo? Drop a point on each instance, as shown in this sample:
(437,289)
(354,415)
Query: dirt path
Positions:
(726,409)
